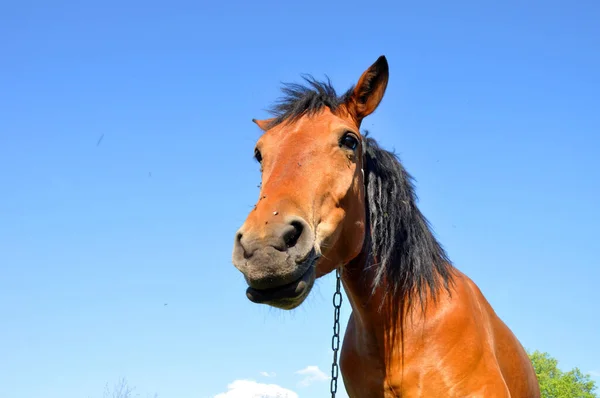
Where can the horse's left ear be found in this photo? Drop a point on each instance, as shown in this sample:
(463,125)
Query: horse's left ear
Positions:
(263,124)
(369,90)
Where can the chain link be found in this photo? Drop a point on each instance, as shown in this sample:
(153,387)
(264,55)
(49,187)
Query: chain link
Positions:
(335,340)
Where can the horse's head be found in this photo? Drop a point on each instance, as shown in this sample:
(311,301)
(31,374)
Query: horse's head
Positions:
(310,217)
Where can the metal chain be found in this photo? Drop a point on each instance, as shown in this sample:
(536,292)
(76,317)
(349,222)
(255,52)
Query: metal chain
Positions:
(335,341)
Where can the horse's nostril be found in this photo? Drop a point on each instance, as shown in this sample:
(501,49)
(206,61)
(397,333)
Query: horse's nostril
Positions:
(239,242)
(292,235)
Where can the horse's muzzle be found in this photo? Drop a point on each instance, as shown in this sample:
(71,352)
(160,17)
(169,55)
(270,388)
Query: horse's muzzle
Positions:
(287,296)
(278,262)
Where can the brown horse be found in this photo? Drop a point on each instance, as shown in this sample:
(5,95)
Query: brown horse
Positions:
(331,199)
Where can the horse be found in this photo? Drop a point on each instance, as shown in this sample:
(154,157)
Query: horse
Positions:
(332,199)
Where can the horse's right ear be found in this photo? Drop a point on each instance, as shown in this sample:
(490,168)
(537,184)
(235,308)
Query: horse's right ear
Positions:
(369,90)
(263,124)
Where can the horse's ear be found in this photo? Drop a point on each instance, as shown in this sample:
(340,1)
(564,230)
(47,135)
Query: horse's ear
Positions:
(263,124)
(369,90)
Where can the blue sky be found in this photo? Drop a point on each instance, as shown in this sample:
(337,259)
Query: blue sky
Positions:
(115,258)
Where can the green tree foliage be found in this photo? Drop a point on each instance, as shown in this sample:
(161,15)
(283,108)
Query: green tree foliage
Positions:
(554,383)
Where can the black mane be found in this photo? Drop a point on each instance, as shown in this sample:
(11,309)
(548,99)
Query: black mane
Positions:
(300,100)
(400,244)
(402,247)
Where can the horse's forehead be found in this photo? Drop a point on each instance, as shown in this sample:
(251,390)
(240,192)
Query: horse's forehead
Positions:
(311,127)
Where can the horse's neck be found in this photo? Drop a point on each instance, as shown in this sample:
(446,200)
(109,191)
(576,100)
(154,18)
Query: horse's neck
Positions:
(368,316)
(379,327)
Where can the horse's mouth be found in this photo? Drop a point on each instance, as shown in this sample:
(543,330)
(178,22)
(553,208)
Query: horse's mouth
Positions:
(287,296)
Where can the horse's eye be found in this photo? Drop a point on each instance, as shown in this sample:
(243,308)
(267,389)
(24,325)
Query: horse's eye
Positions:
(257,155)
(349,141)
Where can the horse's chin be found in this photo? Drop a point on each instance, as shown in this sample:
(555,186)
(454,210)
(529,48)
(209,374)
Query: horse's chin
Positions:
(286,297)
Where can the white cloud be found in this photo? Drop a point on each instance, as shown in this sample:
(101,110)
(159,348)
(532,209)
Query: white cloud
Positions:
(311,374)
(268,374)
(252,389)
(594,373)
